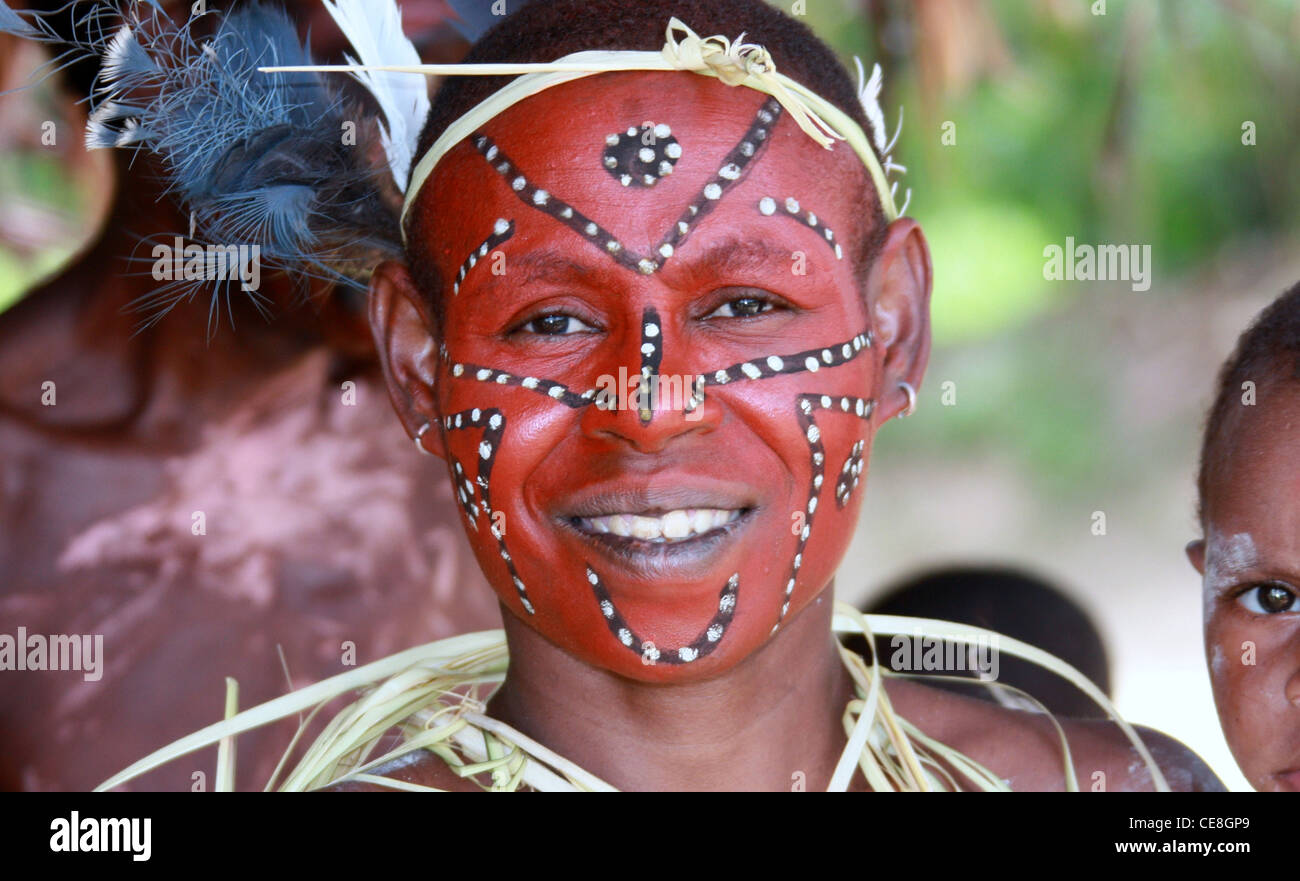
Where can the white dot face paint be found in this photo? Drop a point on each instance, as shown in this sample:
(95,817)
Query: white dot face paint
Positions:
(1227,558)
(1217,661)
(553,436)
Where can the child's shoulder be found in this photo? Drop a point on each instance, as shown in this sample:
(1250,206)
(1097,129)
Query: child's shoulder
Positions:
(419,767)
(1024,748)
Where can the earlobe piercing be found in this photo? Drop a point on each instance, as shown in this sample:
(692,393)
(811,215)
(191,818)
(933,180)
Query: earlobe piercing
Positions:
(911,399)
(419,439)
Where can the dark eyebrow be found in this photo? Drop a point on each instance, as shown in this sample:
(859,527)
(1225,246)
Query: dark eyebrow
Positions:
(534,266)
(733,255)
(540,265)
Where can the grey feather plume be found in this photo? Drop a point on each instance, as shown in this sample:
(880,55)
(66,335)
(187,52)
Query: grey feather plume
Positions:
(254,158)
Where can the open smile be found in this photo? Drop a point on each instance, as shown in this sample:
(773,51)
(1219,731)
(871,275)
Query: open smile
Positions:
(652,541)
(678,528)
(682,524)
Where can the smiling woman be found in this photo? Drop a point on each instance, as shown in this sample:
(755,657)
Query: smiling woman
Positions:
(672,209)
(749,330)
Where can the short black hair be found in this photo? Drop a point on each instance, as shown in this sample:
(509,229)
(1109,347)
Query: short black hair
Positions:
(545,30)
(1267,354)
(1020,605)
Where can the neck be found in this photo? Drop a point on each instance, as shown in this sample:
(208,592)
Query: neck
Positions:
(772,722)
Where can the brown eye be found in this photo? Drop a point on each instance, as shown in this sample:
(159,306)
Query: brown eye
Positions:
(742,307)
(556,324)
(1269,599)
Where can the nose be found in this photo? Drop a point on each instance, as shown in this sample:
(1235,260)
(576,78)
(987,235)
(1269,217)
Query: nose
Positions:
(648,399)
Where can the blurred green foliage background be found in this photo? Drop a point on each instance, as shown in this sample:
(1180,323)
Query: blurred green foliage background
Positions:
(1122,127)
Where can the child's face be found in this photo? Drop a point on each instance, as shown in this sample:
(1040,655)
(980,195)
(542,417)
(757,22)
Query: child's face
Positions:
(1251,562)
(663,543)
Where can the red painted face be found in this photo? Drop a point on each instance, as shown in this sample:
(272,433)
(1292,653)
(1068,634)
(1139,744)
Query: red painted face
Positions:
(671,227)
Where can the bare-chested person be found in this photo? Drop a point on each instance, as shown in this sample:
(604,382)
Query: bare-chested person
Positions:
(665,560)
(204,504)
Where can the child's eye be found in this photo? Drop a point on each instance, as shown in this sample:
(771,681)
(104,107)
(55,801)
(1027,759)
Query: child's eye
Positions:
(556,324)
(1269,599)
(742,307)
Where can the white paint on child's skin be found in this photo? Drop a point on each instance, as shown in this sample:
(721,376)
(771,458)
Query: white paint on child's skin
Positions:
(1216,660)
(1226,557)
(1139,776)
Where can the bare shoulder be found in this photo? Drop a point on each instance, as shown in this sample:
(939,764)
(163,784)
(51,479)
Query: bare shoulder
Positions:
(1182,768)
(67,332)
(1024,749)
(420,767)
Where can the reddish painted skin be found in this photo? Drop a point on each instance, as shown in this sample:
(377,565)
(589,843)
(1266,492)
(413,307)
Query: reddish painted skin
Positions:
(323,523)
(1255,492)
(554,457)
(761,711)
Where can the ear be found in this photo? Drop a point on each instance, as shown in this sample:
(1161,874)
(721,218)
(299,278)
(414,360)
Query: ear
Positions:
(1196,554)
(405,334)
(898,294)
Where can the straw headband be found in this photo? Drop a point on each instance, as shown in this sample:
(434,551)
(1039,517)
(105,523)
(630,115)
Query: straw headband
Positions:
(734,63)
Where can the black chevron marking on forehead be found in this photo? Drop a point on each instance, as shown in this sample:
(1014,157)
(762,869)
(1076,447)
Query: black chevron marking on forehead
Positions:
(729,172)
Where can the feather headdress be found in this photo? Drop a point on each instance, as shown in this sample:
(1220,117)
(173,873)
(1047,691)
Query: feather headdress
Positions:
(267,160)
(253,140)
(869,98)
(375,32)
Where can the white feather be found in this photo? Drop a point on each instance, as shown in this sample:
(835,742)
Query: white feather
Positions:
(132,132)
(115,55)
(374,28)
(125,58)
(869,96)
(99,135)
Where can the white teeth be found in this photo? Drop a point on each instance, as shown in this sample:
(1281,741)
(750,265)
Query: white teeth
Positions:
(703,521)
(647,527)
(672,526)
(677,524)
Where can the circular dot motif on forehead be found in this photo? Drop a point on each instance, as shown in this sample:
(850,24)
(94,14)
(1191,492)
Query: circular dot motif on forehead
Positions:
(641,156)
